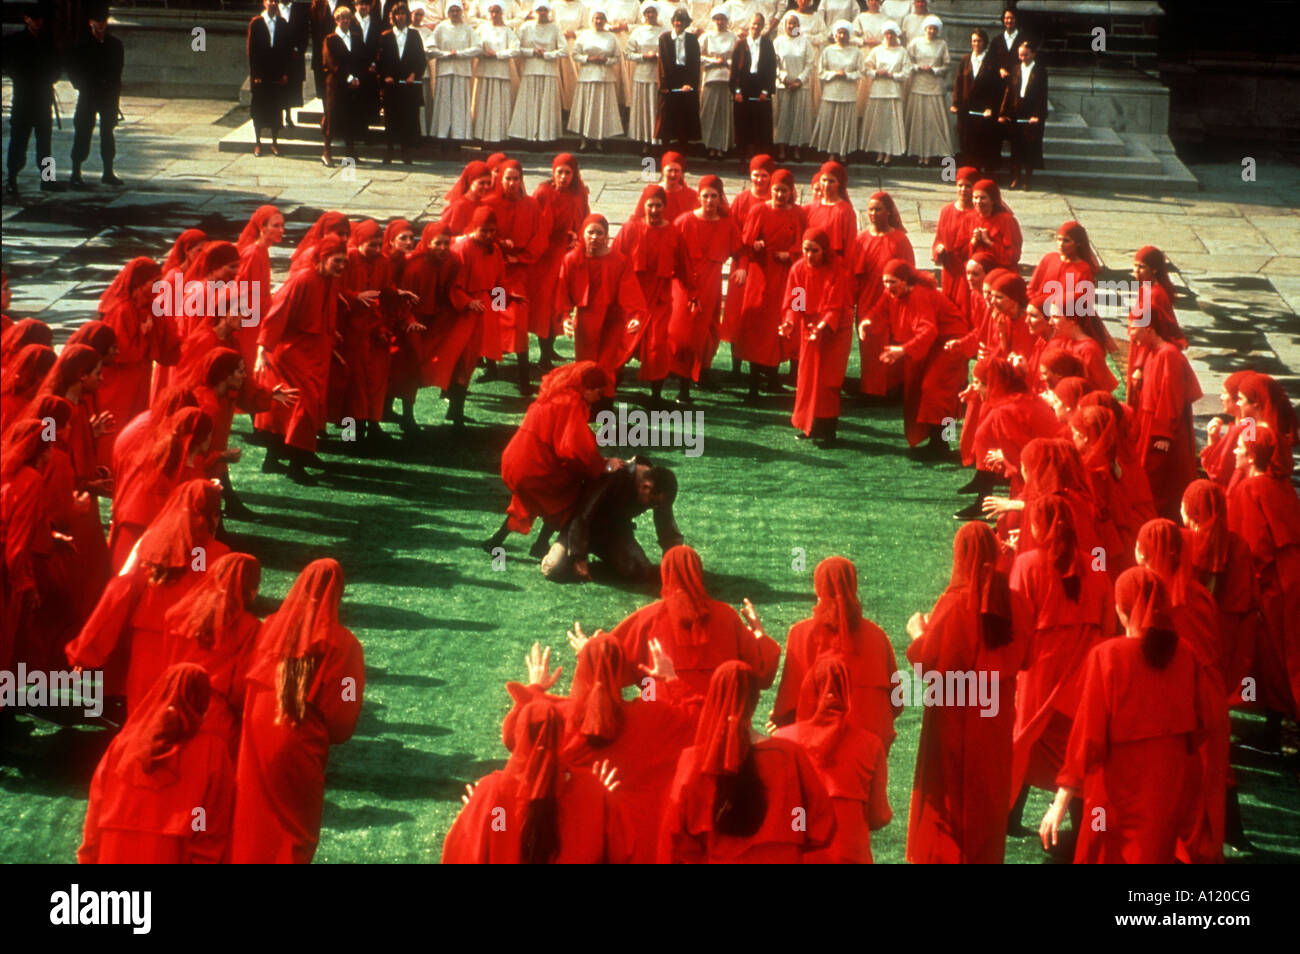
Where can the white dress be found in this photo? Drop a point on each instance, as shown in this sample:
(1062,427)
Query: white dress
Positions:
(836,130)
(625,14)
(455,48)
(793,121)
(492,87)
(868,31)
(716,118)
(568,15)
(882,121)
(537,107)
(813,26)
(595,103)
(644,111)
(925,113)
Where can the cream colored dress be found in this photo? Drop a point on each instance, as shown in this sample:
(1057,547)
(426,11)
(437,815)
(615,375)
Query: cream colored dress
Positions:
(882,121)
(537,107)
(925,111)
(568,15)
(793,122)
(717,122)
(644,111)
(595,103)
(836,129)
(455,47)
(492,84)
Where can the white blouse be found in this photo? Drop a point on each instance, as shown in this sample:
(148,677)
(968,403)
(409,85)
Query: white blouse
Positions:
(715,47)
(533,35)
(926,53)
(593,43)
(645,39)
(895,60)
(837,89)
(455,48)
(794,59)
(868,28)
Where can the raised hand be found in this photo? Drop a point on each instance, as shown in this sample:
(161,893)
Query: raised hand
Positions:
(469,793)
(606,774)
(538,662)
(661,664)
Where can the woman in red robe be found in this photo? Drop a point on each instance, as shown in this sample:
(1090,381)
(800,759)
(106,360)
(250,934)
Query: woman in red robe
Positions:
(1073,610)
(28,536)
(951,249)
(457,213)
(681,197)
(817,314)
(21,380)
(1068,277)
(534,811)
(75,378)
(1264,401)
(1146,707)
(157,776)
(738,798)
(883,240)
(553,453)
(1264,511)
(475,333)
(264,229)
(851,762)
(772,241)
(994,228)
(213,627)
(759,193)
(564,199)
(962,785)
(1154,305)
(294,348)
(303,692)
(428,273)
(838,628)
(697,633)
(710,236)
(27,331)
(1218,456)
(655,248)
(523,227)
(1119,488)
(598,288)
(204,301)
(833,212)
(129,621)
(329,225)
(1074,337)
(1162,392)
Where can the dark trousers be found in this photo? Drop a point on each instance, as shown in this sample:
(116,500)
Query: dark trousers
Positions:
(83,125)
(25,117)
(402,113)
(1026,146)
(753,126)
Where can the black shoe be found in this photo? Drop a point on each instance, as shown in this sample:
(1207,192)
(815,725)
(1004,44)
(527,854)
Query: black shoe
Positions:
(11,187)
(76,181)
(273,466)
(974,511)
(300,476)
(109,179)
(47,186)
(971,486)
(236,509)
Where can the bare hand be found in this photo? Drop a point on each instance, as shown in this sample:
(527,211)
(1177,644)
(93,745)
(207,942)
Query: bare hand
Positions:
(538,662)
(607,774)
(749,616)
(469,793)
(916,625)
(661,664)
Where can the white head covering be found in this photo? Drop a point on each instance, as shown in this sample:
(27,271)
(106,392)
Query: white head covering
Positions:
(542,5)
(456,4)
(891,27)
(596,8)
(839,25)
(719,12)
(931,21)
(649,5)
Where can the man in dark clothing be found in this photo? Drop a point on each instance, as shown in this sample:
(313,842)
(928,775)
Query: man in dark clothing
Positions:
(976,99)
(401,75)
(95,69)
(344,60)
(31,62)
(367,29)
(602,524)
(679,82)
(753,84)
(298,16)
(269,43)
(1024,113)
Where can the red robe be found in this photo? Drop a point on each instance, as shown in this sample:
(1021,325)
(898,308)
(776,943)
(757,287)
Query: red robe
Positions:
(913,322)
(367,335)
(693,336)
(1164,397)
(526,223)
(825,295)
(1133,751)
(1236,597)
(792,787)
(656,255)
(727,639)
(566,211)
(963,761)
(1218,459)
(413,361)
(1076,290)
(606,295)
(254,268)
(838,220)
(681,200)
(871,253)
(139,818)
(741,209)
(1096,371)
(953,232)
(27,546)
(548,459)
(124,384)
(1008,426)
(226,663)
(1004,232)
(871,706)
(481,271)
(755,338)
(1153,306)
(280,777)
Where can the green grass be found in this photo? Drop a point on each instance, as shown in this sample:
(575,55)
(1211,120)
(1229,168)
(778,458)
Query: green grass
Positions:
(443,631)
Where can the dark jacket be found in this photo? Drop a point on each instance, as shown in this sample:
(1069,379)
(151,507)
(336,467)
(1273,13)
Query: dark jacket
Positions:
(679,112)
(748,84)
(978,93)
(1034,102)
(95,69)
(33,65)
(412,59)
(267,63)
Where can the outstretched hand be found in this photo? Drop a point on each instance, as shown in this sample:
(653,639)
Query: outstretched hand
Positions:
(538,662)
(578,639)
(749,616)
(607,774)
(661,664)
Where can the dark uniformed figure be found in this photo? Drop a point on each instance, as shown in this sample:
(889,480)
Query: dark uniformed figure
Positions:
(679,83)
(32,64)
(602,523)
(367,28)
(976,99)
(269,44)
(344,60)
(298,16)
(401,76)
(95,69)
(320,25)
(753,84)
(1024,113)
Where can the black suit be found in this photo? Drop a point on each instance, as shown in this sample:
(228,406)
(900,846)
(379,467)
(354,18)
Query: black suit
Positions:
(268,69)
(1026,138)
(32,63)
(321,24)
(343,117)
(299,20)
(370,81)
(977,136)
(402,100)
(1003,58)
(753,118)
(95,69)
(679,112)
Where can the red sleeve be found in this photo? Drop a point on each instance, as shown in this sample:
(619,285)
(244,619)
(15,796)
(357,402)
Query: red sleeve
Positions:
(100,635)
(879,814)
(277,319)
(338,701)
(88,852)
(211,845)
(819,810)
(23,510)
(792,676)
(924,332)
(575,444)
(1088,739)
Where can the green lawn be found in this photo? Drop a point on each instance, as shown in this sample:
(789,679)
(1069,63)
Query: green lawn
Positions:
(443,631)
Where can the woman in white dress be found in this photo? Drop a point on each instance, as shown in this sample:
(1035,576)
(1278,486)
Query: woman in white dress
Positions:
(595,104)
(883,131)
(836,131)
(537,107)
(716,47)
(455,47)
(924,113)
(833,11)
(622,17)
(643,53)
(868,34)
(571,17)
(492,86)
(795,59)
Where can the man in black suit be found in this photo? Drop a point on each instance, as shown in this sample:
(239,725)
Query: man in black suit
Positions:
(320,25)
(976,99)
(753,84)
(298,15)
(679,84)
(32,64)
(367,28)
(1024,111)
(1006,44)
(344,62)
(269,43)
(95,69)
(401,74)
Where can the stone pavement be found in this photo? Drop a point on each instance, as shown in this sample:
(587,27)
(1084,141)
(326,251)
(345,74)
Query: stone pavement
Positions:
(1235,245)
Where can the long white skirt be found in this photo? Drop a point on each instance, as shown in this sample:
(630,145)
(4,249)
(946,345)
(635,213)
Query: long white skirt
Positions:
(716,120)
(451,108)
(836,130)
(491,109)
(926,120)
(794,117)
(645,111)
(595,111)
(537,110)
(882,127)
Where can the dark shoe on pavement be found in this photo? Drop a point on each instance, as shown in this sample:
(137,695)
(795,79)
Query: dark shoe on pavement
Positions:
(109,179)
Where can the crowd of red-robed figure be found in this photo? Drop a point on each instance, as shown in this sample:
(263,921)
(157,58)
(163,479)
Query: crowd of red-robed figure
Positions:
(1120,605)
